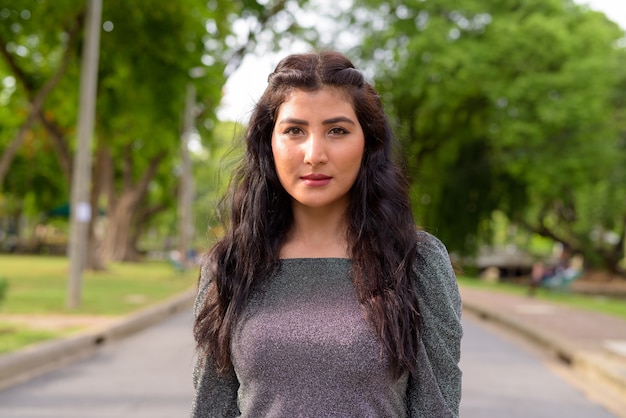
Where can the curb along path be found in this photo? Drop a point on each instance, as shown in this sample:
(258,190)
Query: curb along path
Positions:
(590,342)
(22,365)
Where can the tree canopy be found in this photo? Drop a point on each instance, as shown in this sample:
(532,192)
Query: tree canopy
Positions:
(514,106)
(149,53)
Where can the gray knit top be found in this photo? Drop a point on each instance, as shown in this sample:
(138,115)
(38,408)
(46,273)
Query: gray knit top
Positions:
(303,348)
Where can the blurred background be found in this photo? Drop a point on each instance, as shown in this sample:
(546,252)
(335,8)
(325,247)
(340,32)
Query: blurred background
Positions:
(121,122)
(511,114)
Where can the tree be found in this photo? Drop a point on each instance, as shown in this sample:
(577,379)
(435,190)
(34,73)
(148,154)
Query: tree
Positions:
(212,173)
(30,69)
(129,204)
(501,107)
(147,52)
(38,72)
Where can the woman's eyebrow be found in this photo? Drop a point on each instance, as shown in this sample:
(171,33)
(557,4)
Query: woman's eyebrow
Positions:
(293,121)
(337,120)
(330,121)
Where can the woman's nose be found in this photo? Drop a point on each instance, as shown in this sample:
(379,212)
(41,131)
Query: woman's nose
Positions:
(315,150)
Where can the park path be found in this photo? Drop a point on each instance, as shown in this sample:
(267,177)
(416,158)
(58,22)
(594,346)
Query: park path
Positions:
(149,375)
(145,375)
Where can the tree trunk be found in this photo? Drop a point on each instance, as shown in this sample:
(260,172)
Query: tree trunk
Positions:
(120,222)
(141,224)
(123,210)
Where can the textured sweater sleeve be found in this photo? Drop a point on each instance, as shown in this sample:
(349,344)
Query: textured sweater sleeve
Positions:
(215,394)
(436,389)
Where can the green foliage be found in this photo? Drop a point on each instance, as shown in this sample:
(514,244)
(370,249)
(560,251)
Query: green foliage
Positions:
(212,171)
(514,106)
(150,52)
(33,52)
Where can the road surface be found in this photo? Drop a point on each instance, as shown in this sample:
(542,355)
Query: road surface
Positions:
(505,378)
(145,375)
(149,375)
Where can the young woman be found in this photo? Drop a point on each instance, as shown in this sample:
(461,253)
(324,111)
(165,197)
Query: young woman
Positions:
(322,298)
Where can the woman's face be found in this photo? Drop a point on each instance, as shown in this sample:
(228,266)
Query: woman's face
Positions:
(318,145)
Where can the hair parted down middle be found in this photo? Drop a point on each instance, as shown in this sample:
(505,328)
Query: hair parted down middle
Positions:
(381,233)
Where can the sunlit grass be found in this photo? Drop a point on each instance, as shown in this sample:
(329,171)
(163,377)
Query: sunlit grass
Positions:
(13,337)
(38,284)
(602,304)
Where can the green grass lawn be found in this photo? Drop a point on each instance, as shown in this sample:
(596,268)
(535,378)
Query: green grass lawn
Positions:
(610,306)
(13,337)
(38,285)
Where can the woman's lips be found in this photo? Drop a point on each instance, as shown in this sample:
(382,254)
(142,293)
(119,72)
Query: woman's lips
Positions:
(316,180)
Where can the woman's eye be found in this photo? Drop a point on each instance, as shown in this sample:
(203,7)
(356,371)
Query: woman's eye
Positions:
(293,131)
(338,131)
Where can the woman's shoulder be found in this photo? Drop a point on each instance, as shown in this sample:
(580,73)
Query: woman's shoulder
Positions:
(436,285)
(204,281)
(429,244)
(433,265)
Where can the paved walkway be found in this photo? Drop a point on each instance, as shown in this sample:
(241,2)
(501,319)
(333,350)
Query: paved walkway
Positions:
(593,343)
(502,377)
(147,375)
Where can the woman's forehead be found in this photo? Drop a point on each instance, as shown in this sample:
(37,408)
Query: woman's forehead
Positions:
(318,101)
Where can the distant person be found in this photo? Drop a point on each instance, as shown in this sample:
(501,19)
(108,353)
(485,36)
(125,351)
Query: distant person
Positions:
(322,298)
(566,268)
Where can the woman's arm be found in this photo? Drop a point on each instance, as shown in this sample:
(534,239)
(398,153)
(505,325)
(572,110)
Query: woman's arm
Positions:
(215,394)
(436,389)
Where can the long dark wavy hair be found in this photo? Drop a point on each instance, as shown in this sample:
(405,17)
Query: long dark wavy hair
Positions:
(381,233)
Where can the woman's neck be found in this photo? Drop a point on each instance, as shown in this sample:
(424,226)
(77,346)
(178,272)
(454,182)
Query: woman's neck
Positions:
(316,233)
